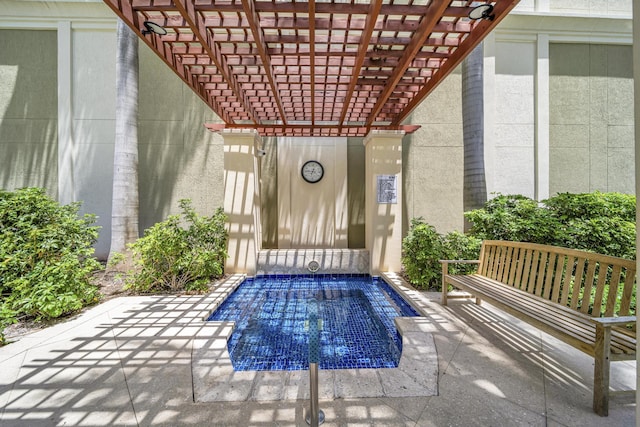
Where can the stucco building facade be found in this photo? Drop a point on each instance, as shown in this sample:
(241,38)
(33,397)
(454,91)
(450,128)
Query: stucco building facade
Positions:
(558,117)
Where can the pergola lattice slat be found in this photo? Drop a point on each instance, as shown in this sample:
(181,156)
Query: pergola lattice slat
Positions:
(330,68)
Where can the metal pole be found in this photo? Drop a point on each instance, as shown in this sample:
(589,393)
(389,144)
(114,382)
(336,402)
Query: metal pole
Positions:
(313,394)
(315,416)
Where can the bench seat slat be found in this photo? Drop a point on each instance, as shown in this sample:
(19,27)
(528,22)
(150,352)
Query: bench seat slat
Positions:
(550,317)
(557,316)
(554,289)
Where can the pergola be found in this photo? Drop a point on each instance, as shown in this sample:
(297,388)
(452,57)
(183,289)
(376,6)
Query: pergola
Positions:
(312,68)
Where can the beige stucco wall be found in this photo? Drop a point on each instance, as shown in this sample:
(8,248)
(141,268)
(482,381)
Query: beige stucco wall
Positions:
(591,118)
(269,193)
(93,112)
(593,7)
(178,157)
(432,159)
(242,199)
(355,169)
(511,139)
(312,215)
(28,110)
(383,194)
(356,192)
(575,7)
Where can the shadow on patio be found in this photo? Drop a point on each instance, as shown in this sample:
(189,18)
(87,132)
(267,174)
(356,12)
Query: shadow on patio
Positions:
(129,362)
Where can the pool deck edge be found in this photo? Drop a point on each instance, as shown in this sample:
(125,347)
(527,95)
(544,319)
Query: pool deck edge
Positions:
(416,374)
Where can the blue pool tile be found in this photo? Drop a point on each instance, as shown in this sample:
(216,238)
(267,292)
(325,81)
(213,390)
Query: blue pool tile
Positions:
(270,312)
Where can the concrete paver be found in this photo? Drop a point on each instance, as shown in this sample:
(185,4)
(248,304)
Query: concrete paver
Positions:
(130,361)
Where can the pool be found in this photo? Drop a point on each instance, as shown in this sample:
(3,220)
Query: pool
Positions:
(271,315)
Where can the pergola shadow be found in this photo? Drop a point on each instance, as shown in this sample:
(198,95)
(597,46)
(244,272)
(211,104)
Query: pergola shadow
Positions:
(129,362)
(132,365)
(564,374)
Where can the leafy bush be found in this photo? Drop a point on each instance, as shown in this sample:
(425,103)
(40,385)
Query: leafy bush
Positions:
(461,246)
(597,222)
(170,257)
(513,217)
(423,247)
(585,206)
(421,250)
(46,258)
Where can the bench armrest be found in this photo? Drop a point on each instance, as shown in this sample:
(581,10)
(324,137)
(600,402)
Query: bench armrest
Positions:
(445,272)
(608,322)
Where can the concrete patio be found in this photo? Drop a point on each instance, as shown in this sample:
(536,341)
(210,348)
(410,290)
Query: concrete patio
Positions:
(129,361)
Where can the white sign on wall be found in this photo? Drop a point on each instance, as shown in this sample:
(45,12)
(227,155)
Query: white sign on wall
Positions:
(387,189)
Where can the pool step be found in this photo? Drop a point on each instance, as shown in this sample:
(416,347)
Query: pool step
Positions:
(297,261)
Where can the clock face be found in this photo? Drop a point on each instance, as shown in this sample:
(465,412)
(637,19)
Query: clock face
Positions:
(312,171)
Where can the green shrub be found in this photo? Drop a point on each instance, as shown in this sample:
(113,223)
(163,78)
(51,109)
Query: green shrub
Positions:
(173,257)
(585,206)
(423,247)
(513,217)
(421,250)
(461,246)
(46,256)
(597,222)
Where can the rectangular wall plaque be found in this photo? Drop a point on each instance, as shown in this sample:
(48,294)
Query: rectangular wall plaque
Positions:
(387,189)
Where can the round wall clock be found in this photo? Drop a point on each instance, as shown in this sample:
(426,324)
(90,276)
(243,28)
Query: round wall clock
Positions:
(312,171)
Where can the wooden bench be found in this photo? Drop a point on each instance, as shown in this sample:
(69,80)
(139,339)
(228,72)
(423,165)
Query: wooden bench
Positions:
(579,297)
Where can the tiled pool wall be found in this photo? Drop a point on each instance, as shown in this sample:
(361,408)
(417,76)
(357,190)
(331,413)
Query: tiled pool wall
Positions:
(272,354)
(296,261)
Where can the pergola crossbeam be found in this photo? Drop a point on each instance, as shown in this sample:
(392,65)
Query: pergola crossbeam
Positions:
(302,68)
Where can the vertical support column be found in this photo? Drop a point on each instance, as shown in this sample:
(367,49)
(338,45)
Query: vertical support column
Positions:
(601,370)
(285,159)
(242,200)
(341,211)
(542,118)
(66,144)
(636,103)
(383,212)
(489,82)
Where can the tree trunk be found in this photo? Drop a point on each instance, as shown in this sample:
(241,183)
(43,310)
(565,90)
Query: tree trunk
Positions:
(124,211)
(475,186)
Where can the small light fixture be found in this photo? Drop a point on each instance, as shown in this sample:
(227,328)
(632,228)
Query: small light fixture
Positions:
(152,27)
(376,50)
(484,11)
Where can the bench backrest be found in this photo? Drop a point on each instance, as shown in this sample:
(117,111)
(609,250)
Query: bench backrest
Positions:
(594,284)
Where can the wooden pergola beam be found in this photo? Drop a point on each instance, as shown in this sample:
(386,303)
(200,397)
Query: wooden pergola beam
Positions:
(289,67)
(365,39)
(434,14)
(483,28)
(196,23)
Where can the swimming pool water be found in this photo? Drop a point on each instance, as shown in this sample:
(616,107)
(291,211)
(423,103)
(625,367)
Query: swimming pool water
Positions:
(357,315)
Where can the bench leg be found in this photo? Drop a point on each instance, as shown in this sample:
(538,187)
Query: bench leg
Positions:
(445,286)
(601,371)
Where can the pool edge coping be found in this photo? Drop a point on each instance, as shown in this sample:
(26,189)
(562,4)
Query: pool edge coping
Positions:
(415,376)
